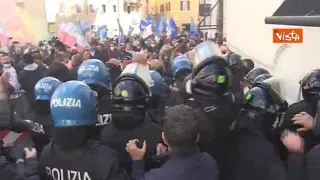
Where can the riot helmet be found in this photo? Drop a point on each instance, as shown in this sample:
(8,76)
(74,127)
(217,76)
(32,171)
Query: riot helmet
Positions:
(96,75)
(157,83)
(234,60)
(211,74)
(253,74)
(261,78)
(181,67)
(131,91)
(43,91)
(73,104)
(310,85)
(260,110)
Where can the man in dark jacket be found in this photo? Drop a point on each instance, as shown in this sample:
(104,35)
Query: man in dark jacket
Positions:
(184,161)
(29,76)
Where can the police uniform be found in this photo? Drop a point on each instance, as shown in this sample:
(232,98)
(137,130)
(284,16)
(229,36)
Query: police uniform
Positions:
(310,88)
(251,154)
(40,120)
(131,97)
(96,75)
(211,96)
(71,154)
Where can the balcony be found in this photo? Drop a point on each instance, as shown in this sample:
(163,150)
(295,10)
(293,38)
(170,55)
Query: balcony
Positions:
(297,12)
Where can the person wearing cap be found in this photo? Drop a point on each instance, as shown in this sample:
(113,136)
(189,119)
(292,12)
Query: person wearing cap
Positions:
(72,154)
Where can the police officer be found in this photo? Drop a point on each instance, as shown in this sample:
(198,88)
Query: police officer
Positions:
(210,88)
(261,78)
(237,68)
(252,75)
(131,98)
(71,154)
(310,88)
(181,67)
(41,120)
(97,76)
(157,100)
(251,150)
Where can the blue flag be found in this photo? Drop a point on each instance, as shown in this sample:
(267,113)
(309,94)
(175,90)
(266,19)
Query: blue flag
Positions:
(102,31)
(121,35)
(149,19)
(143,25)
(131,29)
(193,28)
(84,26)
(172,30)
(161,25)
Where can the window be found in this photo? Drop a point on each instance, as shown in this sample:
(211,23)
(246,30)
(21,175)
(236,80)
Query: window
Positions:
(104,10)
(169,6)
(91,8)
(162,8)
(114,8)
(78,8)
(20,4)
(129,9)
(184,5)
(62,7)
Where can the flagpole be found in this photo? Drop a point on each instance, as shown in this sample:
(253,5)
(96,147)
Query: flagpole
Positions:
(119,10)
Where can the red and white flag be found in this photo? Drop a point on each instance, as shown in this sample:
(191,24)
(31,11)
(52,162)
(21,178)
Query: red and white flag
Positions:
(69,35)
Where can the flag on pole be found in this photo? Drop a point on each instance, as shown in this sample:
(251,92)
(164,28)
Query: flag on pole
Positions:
(193,28)
(102,32)
(121,35)
(69,35)
(172,29)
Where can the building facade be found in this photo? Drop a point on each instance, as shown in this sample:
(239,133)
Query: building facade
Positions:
(97,13)
(249,35)
(24,20)
(180,10)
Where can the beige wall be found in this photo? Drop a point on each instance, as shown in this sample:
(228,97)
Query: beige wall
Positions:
(247,34)
(37,13)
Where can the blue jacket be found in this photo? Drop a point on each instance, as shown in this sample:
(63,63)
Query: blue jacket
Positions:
(179,166)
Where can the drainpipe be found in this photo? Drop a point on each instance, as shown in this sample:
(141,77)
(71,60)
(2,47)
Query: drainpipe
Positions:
(220,19)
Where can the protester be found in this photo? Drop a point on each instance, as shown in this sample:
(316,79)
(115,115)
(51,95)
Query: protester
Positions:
(28,78)
(184,160)
(76,60)
(216,122)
